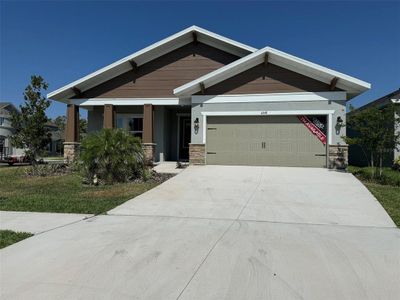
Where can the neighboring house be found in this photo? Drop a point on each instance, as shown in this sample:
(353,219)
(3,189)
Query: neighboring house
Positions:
(202,97)
(55,147)
(6,108)
(356,156)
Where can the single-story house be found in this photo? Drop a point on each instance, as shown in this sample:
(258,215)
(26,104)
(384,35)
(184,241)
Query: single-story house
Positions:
(356,156)
(202,97)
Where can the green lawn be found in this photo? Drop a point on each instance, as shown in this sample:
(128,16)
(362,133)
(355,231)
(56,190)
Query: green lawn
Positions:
(8,237)
(53,158)
(386,189)
(389,197)
(64,193)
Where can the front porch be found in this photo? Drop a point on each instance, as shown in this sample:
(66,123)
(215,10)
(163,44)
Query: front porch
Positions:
(165,130)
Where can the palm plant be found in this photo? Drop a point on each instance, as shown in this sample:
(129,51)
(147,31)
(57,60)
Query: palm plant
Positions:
(112,155)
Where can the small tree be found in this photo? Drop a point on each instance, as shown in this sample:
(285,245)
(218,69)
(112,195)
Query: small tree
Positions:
(375,132)
(30,132)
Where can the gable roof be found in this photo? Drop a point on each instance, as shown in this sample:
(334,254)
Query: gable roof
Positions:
(149,53)
(8,104)
(393,97)
(351,85)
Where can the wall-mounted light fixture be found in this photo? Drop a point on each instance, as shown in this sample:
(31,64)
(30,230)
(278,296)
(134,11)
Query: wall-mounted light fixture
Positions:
(339,121)
(196,125)
(339,124)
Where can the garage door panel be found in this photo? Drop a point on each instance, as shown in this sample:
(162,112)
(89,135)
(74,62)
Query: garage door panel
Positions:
(264,140)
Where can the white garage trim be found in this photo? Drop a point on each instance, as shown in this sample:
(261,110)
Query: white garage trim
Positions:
(271,97)
(269,113)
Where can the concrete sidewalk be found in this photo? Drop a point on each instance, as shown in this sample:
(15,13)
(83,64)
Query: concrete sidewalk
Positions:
(36,222)
(169,167)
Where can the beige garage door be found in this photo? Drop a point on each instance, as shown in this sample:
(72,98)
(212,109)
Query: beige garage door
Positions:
(262,141)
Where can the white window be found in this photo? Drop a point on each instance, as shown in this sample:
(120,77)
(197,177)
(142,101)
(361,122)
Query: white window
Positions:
(132,123)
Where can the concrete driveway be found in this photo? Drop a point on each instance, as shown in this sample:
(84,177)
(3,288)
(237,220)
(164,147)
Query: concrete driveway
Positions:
(219,232)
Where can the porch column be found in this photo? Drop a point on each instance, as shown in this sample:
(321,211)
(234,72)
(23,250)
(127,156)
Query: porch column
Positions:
(71,144)
(148,123)
(109,116)
(148,143)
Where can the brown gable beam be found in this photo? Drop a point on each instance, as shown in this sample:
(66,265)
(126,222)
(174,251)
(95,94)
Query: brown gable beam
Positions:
(77,91)
(194,34)
(202,88)
(266,56)
(333,83)
(133,65)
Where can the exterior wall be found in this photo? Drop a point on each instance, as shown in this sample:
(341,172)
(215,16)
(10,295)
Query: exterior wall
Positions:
(71,151)
(149,152)
(172,140)
(159,77)
(267,79)
(5,131)
(338,106)
(95,119)
(397,131)
(197,154)
(338,156)
(159,133)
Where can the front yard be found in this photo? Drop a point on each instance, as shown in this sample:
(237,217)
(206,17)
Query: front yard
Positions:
(63,194)
(389,197)
(8,237)
(386,190)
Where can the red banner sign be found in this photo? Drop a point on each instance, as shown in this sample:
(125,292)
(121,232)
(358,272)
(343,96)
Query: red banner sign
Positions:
(313,128)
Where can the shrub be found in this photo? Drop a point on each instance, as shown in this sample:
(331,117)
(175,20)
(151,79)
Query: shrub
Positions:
(44,170)
(388,177)
(112,155)
(396,164)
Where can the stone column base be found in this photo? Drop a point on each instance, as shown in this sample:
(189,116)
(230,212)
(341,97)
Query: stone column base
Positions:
(71,151)
(149,151)
(338,156)
(197,154)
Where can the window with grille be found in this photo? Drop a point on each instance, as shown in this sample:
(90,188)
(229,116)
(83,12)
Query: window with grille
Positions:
(131,123)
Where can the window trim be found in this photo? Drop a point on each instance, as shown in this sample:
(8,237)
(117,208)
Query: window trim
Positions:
(133,116)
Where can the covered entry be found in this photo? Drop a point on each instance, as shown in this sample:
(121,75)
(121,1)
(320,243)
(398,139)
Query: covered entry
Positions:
(264,140)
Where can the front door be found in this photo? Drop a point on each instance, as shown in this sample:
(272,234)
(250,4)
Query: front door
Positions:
(184,137)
